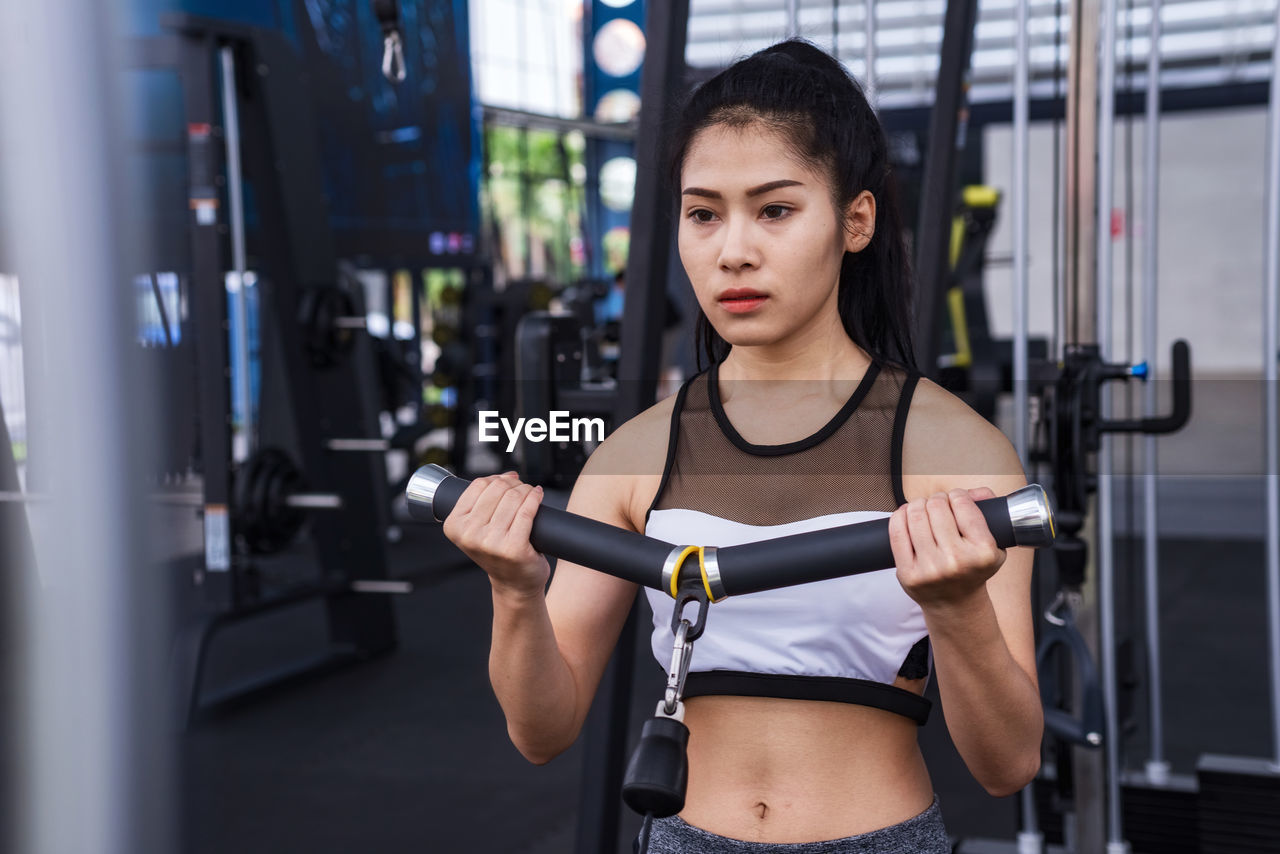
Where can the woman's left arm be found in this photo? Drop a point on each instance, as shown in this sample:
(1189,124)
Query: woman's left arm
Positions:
(976,600)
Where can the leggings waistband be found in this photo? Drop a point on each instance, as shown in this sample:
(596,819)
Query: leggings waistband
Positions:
(922,834)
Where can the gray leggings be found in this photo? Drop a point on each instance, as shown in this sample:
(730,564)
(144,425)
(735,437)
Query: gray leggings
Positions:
(923,834)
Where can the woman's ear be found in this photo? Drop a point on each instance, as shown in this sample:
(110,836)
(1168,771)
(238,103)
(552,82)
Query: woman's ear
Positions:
(860,222)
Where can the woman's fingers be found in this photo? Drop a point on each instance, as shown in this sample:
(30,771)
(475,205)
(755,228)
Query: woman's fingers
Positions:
(496,488)
(918,524)
(522,524)
(492,523)
(942,524)
(979,544)
(951,550)
(971,523)
(904,554)
(500,530)
(476,505)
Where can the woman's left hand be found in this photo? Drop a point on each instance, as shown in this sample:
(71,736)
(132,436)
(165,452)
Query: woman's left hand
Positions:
(942,546)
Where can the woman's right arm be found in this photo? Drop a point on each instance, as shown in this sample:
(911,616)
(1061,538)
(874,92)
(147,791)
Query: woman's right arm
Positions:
(549,649)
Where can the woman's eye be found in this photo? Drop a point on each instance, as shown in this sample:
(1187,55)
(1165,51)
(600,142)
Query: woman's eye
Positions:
(782,211)
(694,215)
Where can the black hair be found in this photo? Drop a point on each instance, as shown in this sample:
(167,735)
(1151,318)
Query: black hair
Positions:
(798,91)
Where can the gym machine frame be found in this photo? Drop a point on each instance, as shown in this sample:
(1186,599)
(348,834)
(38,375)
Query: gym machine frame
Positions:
(1075,412)
(1239,803)
(315,360)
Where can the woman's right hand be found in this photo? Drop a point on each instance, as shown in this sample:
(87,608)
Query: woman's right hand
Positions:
(491,524)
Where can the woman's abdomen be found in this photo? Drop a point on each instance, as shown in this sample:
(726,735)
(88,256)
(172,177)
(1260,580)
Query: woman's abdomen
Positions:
(770,770)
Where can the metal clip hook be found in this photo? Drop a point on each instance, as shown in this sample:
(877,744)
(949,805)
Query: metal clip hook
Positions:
(678,672)
(393,57)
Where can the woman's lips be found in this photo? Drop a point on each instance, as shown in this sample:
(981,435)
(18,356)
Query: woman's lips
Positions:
(740,300)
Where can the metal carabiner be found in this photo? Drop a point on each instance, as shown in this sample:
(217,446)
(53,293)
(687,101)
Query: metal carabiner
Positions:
(678,671)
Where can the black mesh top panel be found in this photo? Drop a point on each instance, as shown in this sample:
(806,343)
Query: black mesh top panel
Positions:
(852,463)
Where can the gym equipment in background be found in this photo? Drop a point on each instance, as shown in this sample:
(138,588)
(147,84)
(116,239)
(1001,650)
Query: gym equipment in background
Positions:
(551,352)
(316,420)
(974,365)
(1240,796)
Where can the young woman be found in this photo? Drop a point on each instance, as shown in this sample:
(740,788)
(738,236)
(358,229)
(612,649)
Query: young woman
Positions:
(803,703)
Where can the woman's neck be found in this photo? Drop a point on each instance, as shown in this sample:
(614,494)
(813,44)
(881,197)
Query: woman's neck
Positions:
(831,356)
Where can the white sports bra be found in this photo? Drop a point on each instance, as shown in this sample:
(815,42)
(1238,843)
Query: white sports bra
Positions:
(844,639)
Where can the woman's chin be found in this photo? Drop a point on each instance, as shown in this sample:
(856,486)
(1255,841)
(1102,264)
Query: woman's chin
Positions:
(741,338)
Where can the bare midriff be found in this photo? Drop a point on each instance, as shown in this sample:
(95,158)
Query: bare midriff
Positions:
(770,770)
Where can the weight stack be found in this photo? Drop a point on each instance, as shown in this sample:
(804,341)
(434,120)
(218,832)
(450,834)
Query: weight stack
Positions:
(1161,819)
(1239,805)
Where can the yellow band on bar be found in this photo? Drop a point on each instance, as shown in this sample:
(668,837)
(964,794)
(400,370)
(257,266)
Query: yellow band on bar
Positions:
(675,573)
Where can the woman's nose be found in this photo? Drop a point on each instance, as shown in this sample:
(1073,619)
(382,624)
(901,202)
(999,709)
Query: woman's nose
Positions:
(738,249)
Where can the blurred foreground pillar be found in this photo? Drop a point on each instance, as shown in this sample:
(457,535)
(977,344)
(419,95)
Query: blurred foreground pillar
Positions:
(92,771)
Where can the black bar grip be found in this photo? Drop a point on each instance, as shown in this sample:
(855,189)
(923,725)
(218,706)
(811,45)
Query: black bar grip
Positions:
(1021,518)
(433,493)
(836,552)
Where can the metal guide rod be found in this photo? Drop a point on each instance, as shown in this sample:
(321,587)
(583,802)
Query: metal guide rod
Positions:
(1083,825)
(1030,840)
(359,445)
(793,18)
(1021,142)
(1271,418)
(314,501)
(382,586)
(869,88)
(300,500)
(1076,315)
(235,200)
(1106,550)
(1157,768)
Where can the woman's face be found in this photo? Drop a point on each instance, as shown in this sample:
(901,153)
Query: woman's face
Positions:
(759,237)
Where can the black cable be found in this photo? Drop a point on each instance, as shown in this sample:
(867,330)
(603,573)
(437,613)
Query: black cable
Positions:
(642,842)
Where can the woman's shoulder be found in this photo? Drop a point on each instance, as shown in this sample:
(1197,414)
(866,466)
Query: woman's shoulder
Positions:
(641,437)
(947,445)
(633,457)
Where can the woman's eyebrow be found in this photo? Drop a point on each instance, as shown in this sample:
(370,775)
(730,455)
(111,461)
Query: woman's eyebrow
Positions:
(754,191)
